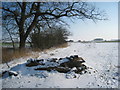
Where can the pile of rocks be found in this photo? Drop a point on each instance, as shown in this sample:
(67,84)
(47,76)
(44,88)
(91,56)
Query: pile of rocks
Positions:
(70,64)
(63,65)
(34,62)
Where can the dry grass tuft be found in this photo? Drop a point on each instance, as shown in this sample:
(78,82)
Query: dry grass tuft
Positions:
(52,48)
(10,54)
(58,46)
(62,46)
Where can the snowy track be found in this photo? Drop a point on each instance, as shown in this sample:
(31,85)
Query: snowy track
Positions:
(102,58)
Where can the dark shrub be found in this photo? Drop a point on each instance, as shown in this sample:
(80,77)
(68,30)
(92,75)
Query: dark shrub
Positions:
(48,38)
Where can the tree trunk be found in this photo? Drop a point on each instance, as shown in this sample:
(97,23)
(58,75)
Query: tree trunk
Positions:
(22,43)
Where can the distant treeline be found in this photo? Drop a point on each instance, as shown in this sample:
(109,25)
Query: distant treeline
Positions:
(112,41)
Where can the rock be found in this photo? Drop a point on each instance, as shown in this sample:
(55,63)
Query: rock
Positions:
(61,58)
(89,72)
(74,50)
(73,69)
(68,58)
(79,59)
(9,73)
(59,69)
(4,72)
(85,71)
(90,68)
(28,81)
(53,59)
(71,75)
(52,54)
(46,68)
(76,56)
(62,69)
(66,64)
(40,60)
(33,62)
(71,57)
(30,60)
(113,78)
(72,63)
(12,73)
(81,68)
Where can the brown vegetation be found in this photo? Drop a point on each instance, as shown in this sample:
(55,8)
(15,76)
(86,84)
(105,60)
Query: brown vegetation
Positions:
(62,45)
(8,54)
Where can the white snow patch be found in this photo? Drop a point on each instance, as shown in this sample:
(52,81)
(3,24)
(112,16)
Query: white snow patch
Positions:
(101,58)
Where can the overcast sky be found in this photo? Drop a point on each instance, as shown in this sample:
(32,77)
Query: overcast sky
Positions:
(88,30)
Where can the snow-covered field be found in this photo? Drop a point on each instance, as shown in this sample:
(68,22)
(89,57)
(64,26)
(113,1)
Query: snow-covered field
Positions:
(101,58)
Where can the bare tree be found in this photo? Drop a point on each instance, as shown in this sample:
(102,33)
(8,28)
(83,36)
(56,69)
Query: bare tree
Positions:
(26,15)
(9,30)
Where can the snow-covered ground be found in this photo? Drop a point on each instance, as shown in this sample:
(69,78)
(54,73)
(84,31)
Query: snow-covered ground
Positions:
(101,58)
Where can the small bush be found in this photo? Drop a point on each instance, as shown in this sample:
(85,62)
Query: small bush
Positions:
(49,38)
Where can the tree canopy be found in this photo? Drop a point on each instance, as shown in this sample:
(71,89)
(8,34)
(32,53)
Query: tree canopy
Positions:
(25,16)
